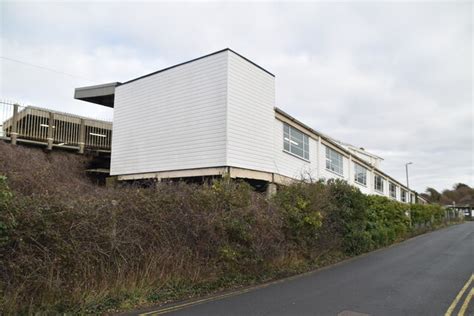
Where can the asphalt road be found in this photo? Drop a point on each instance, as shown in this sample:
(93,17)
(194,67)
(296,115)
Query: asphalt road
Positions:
(421,276)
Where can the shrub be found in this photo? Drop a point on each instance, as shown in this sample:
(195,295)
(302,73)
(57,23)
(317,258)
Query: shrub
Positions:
(424,215)
(67,245)
(349,216)
(301,208)
(387,221)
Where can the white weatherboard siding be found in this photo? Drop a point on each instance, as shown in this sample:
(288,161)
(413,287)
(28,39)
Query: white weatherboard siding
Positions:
(217,111)
(250,115)
(289,165)
(172,120)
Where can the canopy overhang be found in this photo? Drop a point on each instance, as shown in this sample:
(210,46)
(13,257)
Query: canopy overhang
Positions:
(102,94)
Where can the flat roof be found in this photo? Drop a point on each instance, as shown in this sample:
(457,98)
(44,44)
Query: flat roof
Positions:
(195,59)
(104,94)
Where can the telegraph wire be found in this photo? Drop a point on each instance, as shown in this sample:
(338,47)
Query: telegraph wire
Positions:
(45,68)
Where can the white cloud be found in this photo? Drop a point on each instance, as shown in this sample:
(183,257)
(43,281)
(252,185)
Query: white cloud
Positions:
(395,78)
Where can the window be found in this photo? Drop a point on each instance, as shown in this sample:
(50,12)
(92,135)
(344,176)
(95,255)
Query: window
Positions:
(378,183)
(333,161)
(360,174)
(393,190)
(403,195)
(295,142)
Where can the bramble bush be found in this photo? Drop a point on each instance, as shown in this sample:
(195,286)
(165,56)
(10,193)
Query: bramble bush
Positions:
(67,245)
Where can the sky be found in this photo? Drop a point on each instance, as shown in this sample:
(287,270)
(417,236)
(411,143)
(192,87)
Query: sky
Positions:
(393,77)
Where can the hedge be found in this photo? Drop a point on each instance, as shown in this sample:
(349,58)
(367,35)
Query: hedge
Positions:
(100,249)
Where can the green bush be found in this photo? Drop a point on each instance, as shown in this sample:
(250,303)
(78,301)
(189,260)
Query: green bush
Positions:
(300,207)
(431,215)
(349,215)
(387,221)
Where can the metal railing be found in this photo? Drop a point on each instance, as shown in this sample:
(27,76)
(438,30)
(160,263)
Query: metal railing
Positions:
(55,129)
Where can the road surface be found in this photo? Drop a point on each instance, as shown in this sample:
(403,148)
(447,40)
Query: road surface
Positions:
(421,276)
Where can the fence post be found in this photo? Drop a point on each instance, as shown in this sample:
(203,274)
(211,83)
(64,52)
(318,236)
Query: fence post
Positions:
(14,131)
(82,136)
(50,131)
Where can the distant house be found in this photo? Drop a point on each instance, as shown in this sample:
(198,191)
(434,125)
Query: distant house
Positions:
(217,115)
(465,205)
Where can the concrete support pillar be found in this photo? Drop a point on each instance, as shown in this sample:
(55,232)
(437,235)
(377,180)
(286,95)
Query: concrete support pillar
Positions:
(50,131)
(156,182)
(271,189)
(14,129)
(82,136)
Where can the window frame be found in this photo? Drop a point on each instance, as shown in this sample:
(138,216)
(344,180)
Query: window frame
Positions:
(329,160)
(289,141)
(394,186)
(403,195)
(356,173)
(381,182)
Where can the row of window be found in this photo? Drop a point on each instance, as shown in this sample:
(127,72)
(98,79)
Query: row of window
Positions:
(392,188)
(297,143)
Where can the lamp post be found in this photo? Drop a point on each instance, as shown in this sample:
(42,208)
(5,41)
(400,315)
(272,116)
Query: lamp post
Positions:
(409,193)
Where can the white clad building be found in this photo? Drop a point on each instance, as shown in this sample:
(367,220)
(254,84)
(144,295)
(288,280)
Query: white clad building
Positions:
(217,115)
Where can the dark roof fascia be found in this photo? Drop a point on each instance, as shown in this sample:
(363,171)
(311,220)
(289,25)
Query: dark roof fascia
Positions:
(248,60)
(195,59)
(99,86)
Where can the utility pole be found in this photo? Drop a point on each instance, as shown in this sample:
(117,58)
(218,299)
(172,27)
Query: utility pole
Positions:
(408,189)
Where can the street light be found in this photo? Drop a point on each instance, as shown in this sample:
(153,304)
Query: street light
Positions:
(409,193)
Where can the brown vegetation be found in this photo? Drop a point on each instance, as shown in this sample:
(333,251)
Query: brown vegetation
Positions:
(67,245)
(461,194)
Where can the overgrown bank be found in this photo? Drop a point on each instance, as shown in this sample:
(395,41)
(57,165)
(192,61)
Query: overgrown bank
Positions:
(69,246)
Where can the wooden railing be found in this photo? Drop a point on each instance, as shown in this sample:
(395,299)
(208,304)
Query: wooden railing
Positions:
(53,129)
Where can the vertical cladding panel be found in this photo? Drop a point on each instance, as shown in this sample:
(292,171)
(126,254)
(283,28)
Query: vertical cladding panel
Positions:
(172,120)
(289,165)
(250,116)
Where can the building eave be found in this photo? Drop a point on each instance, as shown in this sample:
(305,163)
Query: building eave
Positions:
(198,58)
(103,94)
